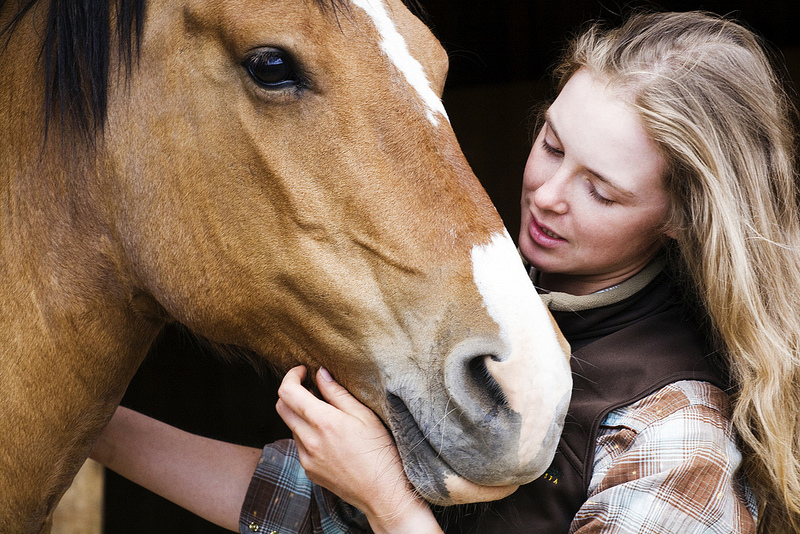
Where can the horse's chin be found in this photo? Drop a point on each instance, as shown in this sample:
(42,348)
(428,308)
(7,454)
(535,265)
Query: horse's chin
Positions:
(462,491)
(439,484)
(432,477)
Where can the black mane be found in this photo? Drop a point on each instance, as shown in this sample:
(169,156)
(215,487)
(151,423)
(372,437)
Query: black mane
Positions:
(76,54)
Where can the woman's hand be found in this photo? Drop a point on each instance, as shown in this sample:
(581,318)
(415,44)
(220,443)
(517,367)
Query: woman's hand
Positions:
(345,448)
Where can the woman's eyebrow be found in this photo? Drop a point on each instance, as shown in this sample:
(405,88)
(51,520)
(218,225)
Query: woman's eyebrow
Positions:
(609,182)
(548,121)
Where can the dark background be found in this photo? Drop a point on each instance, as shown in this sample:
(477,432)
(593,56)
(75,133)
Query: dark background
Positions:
(500,51)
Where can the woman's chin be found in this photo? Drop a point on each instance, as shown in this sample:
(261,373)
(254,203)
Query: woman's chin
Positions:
(533,256)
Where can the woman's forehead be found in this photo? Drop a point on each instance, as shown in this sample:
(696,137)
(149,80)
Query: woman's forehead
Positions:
(602,132)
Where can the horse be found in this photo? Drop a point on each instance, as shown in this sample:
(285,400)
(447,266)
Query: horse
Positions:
(281,178)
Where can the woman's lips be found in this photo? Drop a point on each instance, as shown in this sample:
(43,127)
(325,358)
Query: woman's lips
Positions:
(543,236)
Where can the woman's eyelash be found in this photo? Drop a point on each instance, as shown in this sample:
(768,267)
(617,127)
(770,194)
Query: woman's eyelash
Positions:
(597,196)
(550,149)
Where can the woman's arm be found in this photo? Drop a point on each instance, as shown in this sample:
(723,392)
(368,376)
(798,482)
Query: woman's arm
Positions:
(344,447)
(205,476)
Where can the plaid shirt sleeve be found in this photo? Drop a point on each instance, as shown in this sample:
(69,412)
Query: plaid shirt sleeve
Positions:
(282,500)
(668,464)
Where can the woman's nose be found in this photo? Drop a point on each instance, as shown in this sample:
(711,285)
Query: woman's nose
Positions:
(551,194)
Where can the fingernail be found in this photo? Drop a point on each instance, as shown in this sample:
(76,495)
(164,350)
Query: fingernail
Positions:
(326,376)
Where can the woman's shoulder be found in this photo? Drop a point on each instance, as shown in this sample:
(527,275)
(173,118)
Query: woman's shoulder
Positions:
(681,422)
(673,451)
(685,398)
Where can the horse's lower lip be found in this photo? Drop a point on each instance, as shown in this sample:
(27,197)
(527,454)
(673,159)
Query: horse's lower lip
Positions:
(406,430)
(436,481)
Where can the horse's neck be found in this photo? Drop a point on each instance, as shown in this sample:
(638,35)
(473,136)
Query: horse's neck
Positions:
(70,340)
(66,357)
(70,334)
(65,361)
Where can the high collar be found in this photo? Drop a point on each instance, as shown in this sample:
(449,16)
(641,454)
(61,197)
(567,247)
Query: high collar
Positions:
(566,302)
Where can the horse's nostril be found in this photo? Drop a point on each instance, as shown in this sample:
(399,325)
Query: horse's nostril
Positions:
(484,382)
(476,392)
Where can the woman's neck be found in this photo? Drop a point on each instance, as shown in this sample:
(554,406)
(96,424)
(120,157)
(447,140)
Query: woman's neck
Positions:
(589,284)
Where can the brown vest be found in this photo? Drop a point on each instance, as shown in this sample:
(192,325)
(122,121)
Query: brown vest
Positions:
(621,354)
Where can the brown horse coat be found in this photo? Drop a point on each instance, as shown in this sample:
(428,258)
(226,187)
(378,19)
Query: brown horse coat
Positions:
(281,178)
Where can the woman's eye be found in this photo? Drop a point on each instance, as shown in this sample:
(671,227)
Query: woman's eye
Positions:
(598,197)
(272,69)
(550,149)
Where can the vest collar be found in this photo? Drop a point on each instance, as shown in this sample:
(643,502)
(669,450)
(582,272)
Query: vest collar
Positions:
(565,302)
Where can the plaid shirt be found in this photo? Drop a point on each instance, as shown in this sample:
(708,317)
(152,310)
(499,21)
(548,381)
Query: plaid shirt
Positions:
(282,500)
(665,464)
(668,464)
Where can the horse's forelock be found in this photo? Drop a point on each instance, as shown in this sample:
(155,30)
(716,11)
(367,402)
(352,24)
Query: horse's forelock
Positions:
(76,55)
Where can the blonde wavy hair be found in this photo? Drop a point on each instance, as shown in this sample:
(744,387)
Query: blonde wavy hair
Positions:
(711,100)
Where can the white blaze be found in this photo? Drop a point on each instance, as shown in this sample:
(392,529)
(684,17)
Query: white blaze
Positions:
(394,46)
(533,372)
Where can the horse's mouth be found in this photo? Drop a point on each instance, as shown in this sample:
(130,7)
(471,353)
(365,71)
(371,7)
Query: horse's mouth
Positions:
(430,474)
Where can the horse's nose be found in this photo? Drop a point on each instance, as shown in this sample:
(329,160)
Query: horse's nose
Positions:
(511,404)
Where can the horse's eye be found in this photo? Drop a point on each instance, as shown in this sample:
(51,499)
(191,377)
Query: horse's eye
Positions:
(272,69)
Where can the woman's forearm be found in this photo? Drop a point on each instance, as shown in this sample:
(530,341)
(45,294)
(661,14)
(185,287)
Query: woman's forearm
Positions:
(203,475)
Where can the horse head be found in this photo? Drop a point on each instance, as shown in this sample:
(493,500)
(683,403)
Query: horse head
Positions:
(279,177)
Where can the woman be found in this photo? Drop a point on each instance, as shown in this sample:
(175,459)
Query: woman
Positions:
(671,138)
(661,220)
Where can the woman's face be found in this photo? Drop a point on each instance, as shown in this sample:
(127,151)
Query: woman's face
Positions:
(593,199)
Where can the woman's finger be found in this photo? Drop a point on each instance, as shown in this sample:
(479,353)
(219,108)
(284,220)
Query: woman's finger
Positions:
(294,376)
(339,397)
(292,420)
(297,406)
(296,396)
